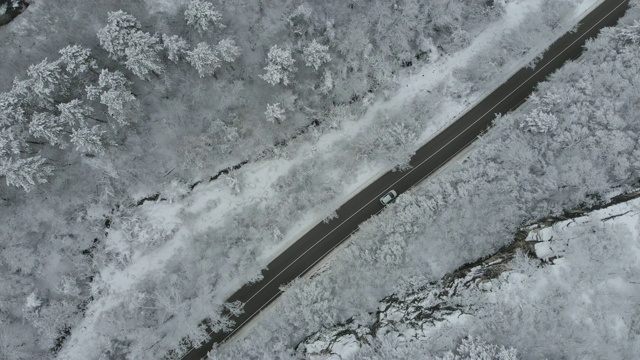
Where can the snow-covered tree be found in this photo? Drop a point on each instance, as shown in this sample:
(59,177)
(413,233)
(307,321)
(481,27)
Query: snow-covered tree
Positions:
(25,173)
(88,139)
(316,54)
(120,102)
(539,121)
(204,59)
(113,80)
(176,46)
(46,125)
(11,110)
(115,36)
(234,308)
(474,349)
(630,33)
(275,113)
(142,54)
(231,179)
(228,50)
(32,302)
(327,82)
(74,112)
(93,92)
(10,142)
(280,66)
(202,15)
(123,38)
(46,78)
(77,59)
(300,19)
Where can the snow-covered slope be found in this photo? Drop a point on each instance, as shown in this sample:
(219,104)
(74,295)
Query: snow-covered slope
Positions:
(581,273)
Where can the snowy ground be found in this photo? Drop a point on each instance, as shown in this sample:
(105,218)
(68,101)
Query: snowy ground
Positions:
(626,214)
(210,203)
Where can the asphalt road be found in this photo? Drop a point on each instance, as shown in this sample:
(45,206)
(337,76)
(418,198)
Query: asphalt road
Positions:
(318,242)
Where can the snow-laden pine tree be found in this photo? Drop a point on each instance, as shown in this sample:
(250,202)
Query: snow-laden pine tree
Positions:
(74,112)
(316,54)
(143,54)
(275,113)
(77,59)
(202,15)
(123,38)
(228,50)
(47,126)
(88,139)
(46,78)
(280,66)
(25,173)
(11,110)
(10,142)
(204,59)
(114,37)
(120,102)
(175,46)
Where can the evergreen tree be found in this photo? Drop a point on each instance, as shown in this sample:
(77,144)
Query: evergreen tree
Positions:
(275,113)
(11,143)
(176,46)
(316,54)
(120,102)
(115,36)
(46,79)
(74,112)
(88,139)
(202,15)
(25,173)
(46,125)
(77,59)
(280,66)
(11,110)
(142,54)
(204,59)
(228,50)
(123,38)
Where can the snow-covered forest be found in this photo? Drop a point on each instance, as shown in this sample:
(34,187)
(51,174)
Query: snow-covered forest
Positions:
(121,233)
(573,144)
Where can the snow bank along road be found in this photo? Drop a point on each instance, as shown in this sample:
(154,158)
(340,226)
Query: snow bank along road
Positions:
(317,243)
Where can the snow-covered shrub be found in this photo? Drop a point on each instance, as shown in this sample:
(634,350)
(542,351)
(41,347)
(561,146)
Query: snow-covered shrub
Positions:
(275,113)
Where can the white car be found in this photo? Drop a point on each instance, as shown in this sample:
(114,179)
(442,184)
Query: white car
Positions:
(388,197)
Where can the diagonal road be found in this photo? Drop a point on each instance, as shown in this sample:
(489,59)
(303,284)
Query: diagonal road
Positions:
(323,238)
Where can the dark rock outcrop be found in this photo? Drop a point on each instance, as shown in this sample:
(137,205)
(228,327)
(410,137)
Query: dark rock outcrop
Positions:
(10,9)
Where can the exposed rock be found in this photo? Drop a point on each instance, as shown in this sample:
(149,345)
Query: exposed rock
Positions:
(413,316)
(10,9)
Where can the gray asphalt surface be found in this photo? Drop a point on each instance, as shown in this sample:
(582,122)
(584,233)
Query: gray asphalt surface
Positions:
(318,242)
